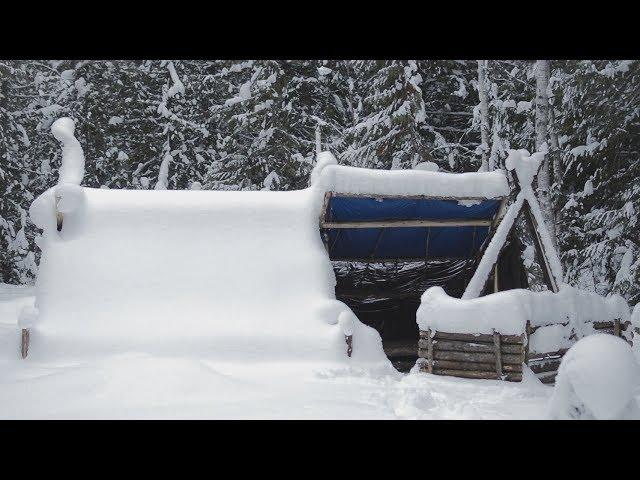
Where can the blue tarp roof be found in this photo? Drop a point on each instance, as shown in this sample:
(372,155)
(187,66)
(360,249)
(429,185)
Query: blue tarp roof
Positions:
(406,242)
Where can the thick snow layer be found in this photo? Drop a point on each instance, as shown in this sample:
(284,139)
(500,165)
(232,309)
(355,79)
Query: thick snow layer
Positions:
(28,317)
(149,386)
(13,298)
(323,159)
(72,168)
(597,379)
(504,312)
(230,275)
(507,312)
(344,179)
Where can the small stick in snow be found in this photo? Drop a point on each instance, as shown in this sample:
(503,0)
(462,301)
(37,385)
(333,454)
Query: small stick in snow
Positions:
(24,347)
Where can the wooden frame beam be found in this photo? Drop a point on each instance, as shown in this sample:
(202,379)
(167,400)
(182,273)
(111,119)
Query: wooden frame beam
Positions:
(411,197)
(409,224)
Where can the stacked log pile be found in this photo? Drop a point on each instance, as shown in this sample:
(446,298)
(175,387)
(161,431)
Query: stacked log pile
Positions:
(496,356)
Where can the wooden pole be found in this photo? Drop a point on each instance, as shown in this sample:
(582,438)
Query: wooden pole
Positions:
(543,259)
(349,340)
(24,347)
(429,351)
(408,224)
(496,344)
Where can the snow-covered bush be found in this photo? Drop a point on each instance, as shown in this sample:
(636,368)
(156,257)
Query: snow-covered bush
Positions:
(597,380)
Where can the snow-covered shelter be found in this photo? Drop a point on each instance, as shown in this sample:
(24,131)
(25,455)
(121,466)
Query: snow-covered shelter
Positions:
(332,273)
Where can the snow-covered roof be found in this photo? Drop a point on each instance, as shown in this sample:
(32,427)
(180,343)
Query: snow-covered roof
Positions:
(353,180)
(236,275)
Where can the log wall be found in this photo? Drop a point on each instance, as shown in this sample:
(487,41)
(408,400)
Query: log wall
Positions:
(496,356)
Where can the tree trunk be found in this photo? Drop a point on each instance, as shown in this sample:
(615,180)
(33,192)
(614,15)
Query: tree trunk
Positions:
(542,124)
(554,154)
(487,163)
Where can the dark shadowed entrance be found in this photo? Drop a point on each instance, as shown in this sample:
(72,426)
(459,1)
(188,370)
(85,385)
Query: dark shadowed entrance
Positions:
(386,251)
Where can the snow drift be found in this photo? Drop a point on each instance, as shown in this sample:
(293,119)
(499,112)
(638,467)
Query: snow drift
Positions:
(597,379)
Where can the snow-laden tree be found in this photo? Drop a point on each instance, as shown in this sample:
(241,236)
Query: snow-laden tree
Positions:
(600,145)
(271,114)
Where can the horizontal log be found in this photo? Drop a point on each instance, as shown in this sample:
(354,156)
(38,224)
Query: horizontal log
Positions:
(487,367)
(600,325)
(411,197)
(458,346)
(408,350)
(545,367)
(548,379)
(547,355)
(477,357)
(513,377)
(596,325)
(474,338)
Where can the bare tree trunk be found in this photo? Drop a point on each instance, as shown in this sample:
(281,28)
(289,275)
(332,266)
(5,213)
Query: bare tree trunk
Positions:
(318,141)
(554,153)
(542,125)
(487,162)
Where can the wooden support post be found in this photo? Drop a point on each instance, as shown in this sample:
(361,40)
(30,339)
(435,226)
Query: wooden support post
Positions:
(24,347)
(527,339)
(59,216)
(541,254)
(495,276)
(429,351)
(496,345)
(349,340)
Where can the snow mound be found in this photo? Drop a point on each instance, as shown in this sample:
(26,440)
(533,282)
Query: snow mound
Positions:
(504,312)
(72,168)
(507,312)
(427,166)
(230,275)
(28,316)
(597,379)
(355,180)
(323,159)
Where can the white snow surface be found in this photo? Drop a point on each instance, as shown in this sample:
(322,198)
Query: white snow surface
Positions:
(507,312)
(355,180)
(597,379)
(72,168)
(239,276)
(166,386)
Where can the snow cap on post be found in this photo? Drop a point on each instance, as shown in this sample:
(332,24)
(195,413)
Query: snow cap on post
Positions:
(525,165)
(322,160)
(27,317)
(72,168)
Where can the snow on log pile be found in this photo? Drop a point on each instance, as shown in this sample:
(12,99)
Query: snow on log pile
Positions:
(551,322)
(230,275)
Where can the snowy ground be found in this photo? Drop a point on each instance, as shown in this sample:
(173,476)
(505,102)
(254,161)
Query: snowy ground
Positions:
(144,386)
